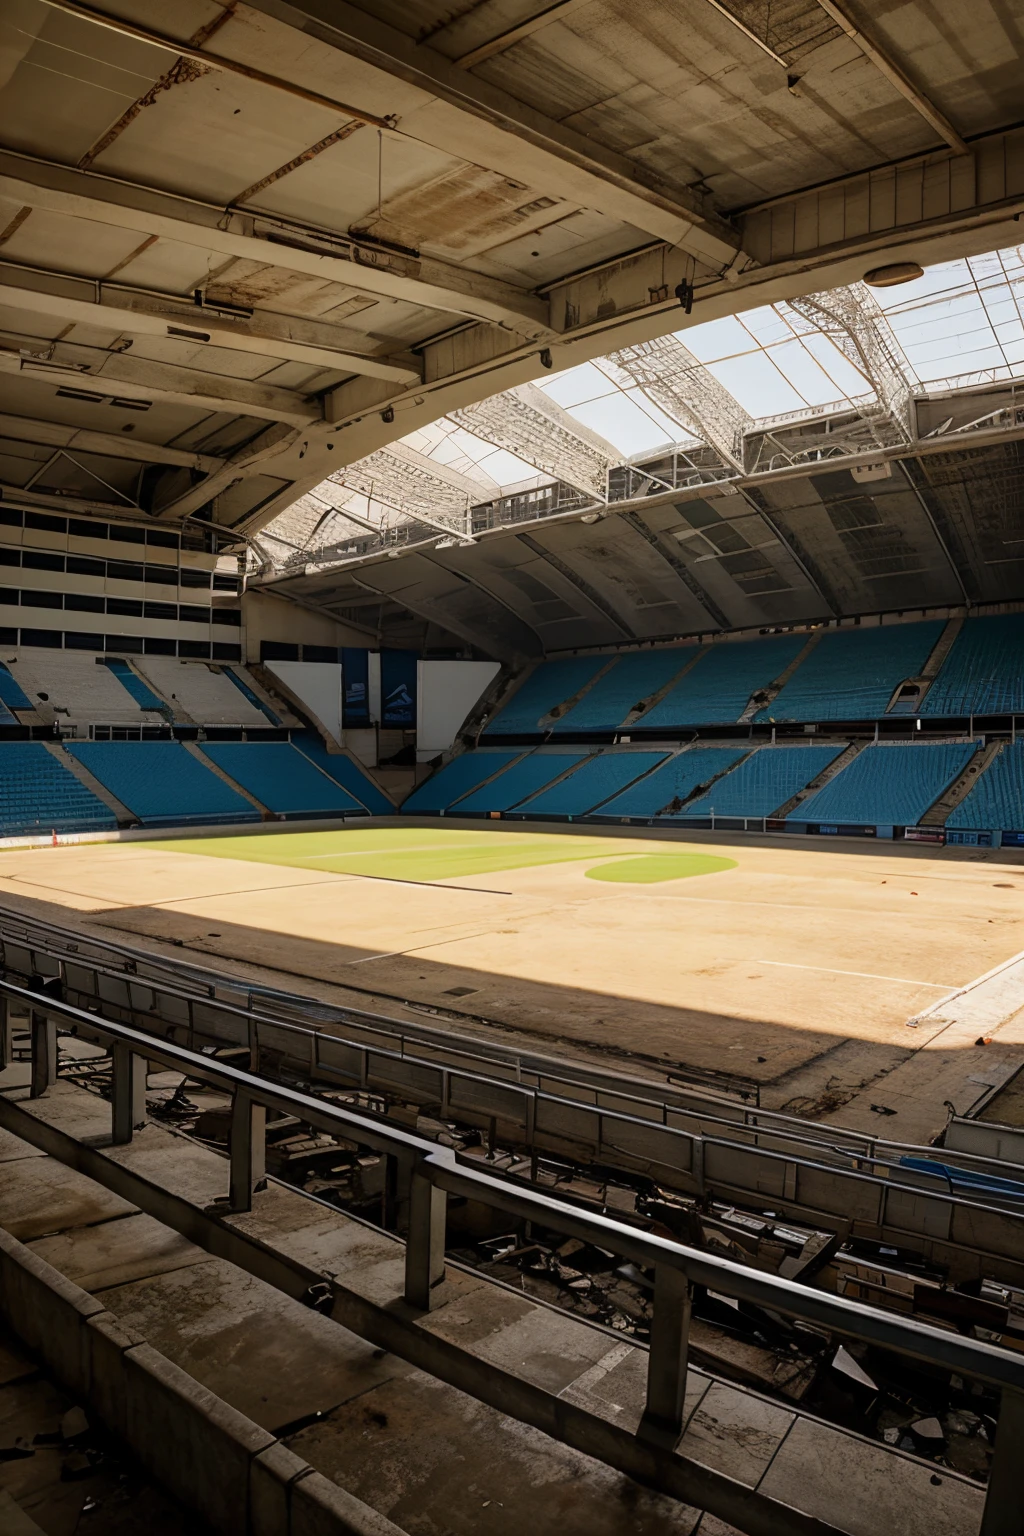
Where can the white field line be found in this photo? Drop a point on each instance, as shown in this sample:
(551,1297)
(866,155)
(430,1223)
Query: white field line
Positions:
(903,981)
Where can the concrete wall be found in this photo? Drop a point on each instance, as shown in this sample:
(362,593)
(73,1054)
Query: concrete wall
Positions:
(215,1461)
(265,617)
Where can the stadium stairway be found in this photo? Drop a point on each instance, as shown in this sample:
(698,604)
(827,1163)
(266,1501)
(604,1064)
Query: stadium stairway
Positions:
(239,789)
(644,706)
(995,800)
(830,770)
(762,698)
(39,793)
(520,781)
(943,808)
(162,783)
(892,784)
(551,686)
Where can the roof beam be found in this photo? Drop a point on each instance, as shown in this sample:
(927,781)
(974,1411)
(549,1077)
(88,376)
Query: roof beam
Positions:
(887,65)
(851,318)
(59,295)
(52,434)
(272,242)
(121,376)
(478,122)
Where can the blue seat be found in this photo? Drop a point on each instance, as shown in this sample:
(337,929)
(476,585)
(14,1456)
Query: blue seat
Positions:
(141,692)
(39,793)
(450,783)
(984,671)
(11,692)
(996,802)
(634,677)
(162,784)
(675,780)
(717,688)
(764,781)
(886,785)
(597,779)
(344,771)
(281,778)
(550,684)
(853,673)
(519,781)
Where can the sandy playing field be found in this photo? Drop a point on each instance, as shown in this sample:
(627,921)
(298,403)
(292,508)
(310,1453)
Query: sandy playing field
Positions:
(792,963)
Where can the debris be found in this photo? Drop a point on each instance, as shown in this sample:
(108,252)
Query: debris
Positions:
(927,1429)
(844,1361)
(882,1109)
(75,1466)
(73,1424)
(16,1448)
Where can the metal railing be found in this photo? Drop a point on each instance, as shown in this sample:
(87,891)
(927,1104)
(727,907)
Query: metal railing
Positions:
(693,1148)
(428,1175)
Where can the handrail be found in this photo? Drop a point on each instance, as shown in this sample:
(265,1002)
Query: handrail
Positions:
(431,1174)
(858,1144)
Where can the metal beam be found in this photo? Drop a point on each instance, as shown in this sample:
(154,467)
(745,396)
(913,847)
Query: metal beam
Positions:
(526,422)
(271,241)
(118,307)
(246,460)
(51,434)
(667,371)
(851,318)
(119,375)
(886,64)
(413,484)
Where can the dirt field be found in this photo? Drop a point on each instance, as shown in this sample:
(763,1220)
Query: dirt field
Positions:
(791,963)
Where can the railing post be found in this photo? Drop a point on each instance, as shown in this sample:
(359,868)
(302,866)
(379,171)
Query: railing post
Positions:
(424,1242)
(128,1110)
(6,1033)
(666,1365)
(1004,1508)
(43,1032)
(248,1149)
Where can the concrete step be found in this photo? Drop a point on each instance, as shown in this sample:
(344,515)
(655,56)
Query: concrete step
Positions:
(125,817)
(646,705)
(564,707)
(762,698)
(703,788)
(836,766)
(938,814)
(207,762)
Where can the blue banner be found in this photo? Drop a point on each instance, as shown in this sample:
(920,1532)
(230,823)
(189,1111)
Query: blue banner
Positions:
(398,689)
(355,680)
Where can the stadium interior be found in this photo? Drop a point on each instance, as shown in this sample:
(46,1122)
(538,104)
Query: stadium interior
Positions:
(512,511)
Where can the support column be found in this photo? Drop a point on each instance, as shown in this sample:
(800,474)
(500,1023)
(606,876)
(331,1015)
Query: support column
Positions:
(667,1361)
(248,1149)
(129,1101)
(1004,1507)
(424,1243)
(44,1054)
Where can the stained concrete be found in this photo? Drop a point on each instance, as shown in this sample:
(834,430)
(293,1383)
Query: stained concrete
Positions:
(423,1453)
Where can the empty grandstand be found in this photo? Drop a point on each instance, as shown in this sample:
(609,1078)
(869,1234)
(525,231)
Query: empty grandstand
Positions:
(996,801)
(764,781)
(984,671)
(852,674)
(718,688)
(282,779)
(457,778)
(598,778)
(202,694)
(674,782)
(519,781)
(618,692)
(548,686)
(39,793)
(890,785)
(162,783)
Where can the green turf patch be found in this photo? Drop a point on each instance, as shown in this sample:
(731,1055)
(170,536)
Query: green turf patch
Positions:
(653,868)
(407,853)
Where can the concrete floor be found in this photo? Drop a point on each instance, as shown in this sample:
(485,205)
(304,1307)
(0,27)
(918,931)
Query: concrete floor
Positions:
(799,968)
(433,1459)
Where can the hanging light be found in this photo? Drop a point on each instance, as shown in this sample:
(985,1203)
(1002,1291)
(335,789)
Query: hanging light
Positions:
(896,272)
